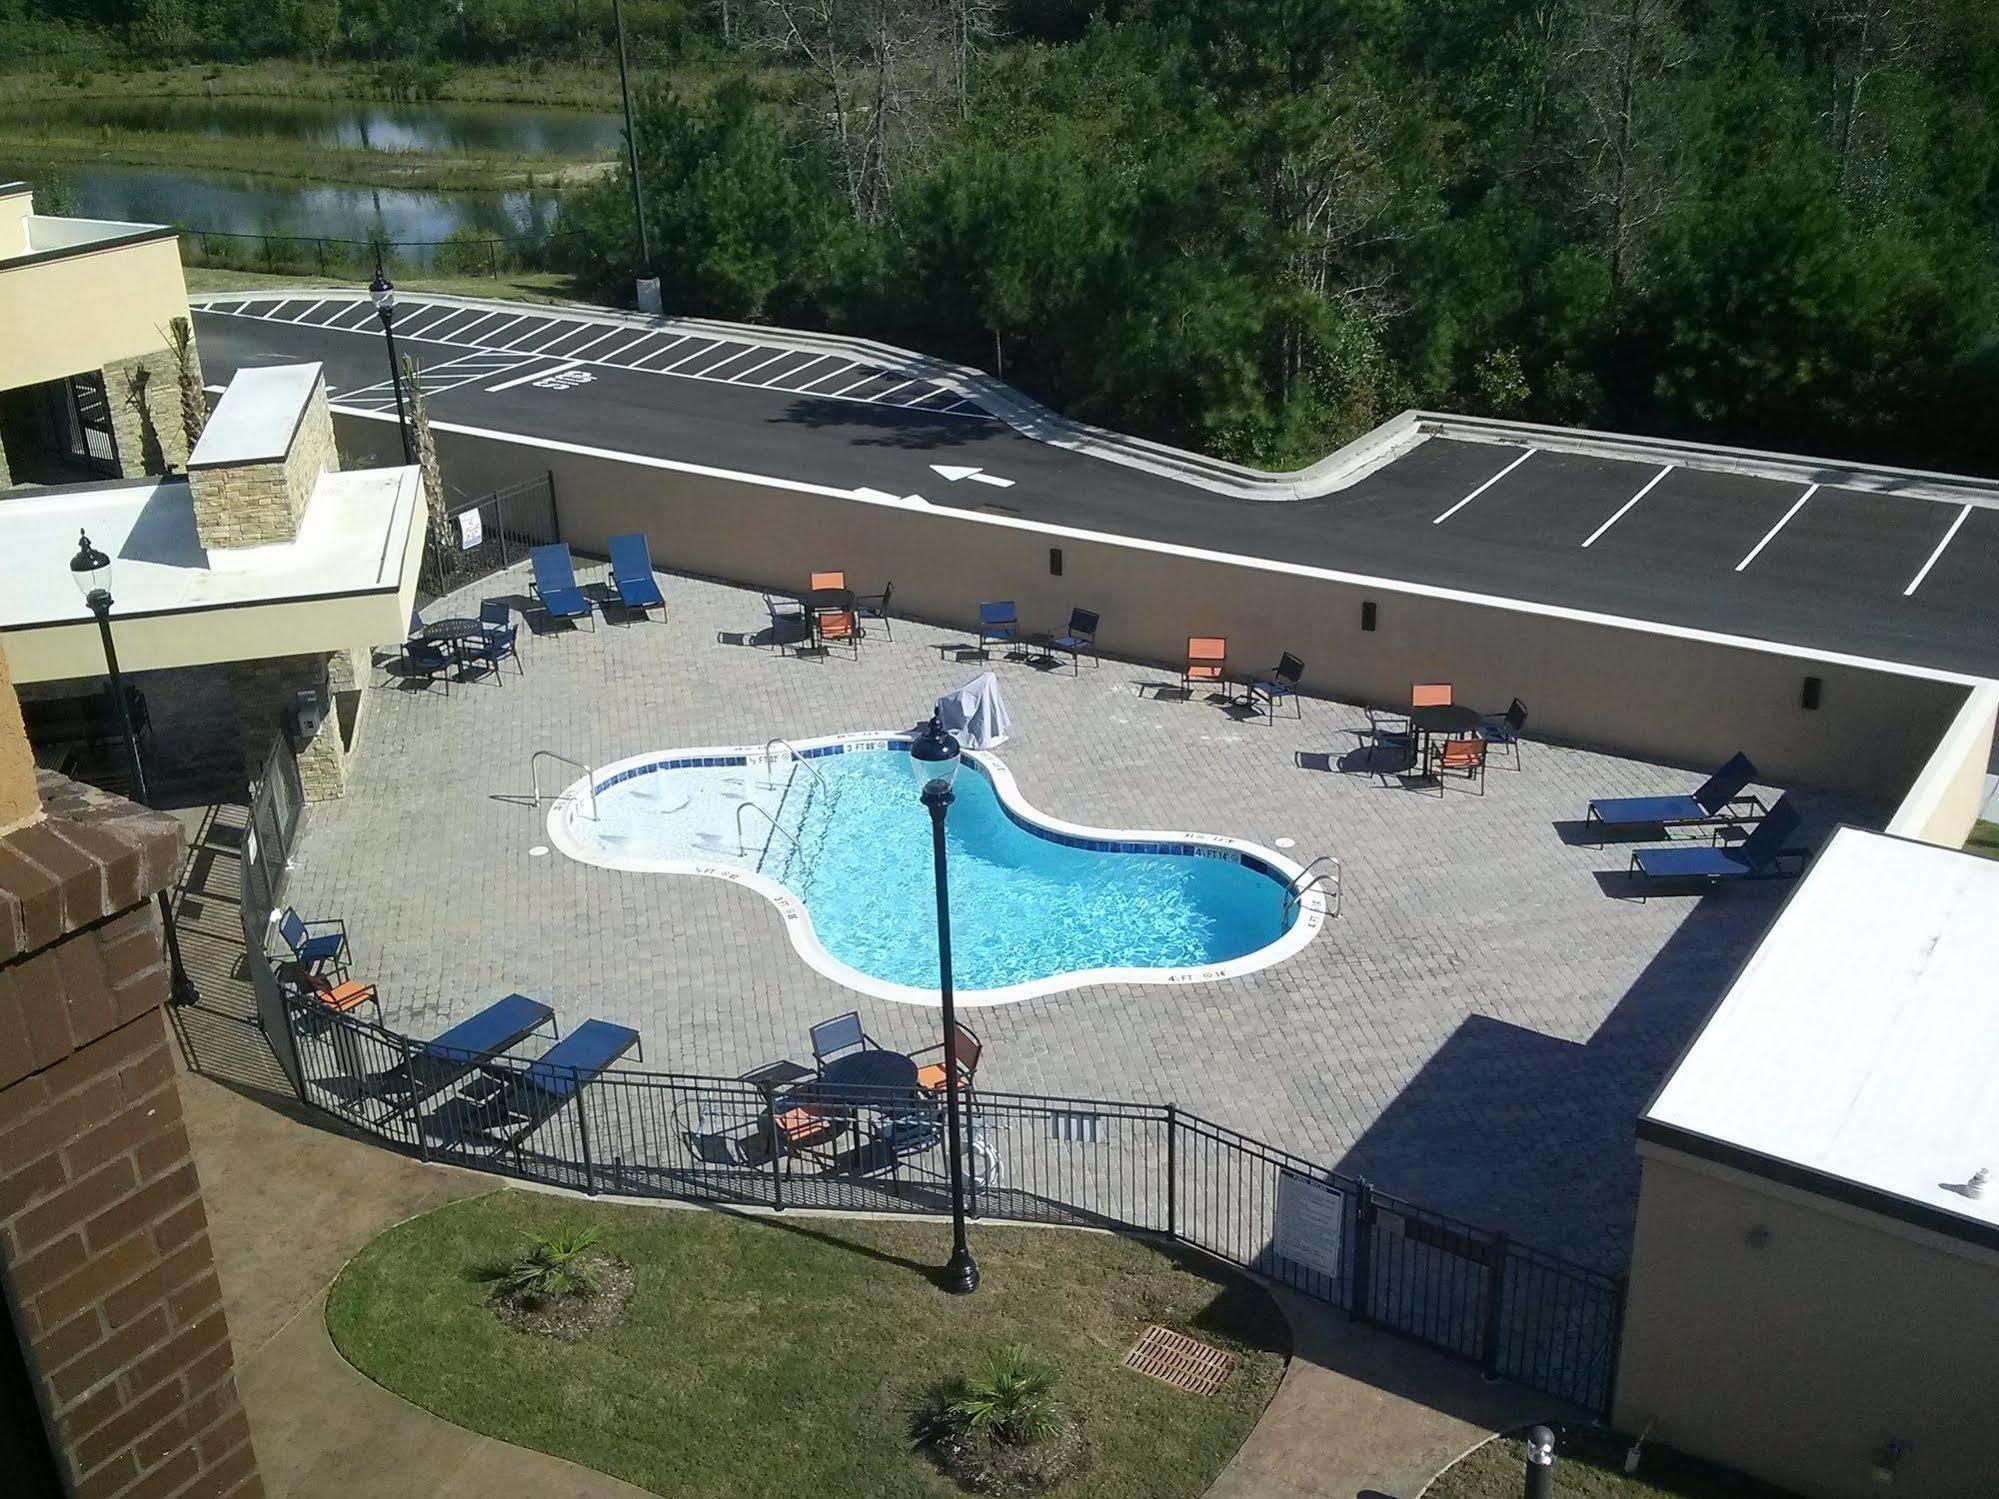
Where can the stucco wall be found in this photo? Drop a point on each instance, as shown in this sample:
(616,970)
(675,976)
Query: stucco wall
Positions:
(1797,1360)
(1652,693)
(1945,800)
(88,310)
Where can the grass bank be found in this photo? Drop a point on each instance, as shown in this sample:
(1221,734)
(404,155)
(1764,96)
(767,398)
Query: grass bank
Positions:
(785,1356)
(71,145)
(511,286)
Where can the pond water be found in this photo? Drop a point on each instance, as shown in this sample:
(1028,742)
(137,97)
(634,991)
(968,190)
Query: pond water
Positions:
(365,124)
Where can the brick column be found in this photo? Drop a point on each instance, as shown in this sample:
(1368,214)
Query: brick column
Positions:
(104,1250)
(265,692)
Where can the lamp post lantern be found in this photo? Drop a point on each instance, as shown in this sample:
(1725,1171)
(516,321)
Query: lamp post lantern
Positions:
(90,570)
(382,292)
(934,758)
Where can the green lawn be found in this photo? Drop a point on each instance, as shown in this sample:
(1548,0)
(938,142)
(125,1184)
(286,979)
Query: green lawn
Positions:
(1984,840)
(784,1355)
(1589,1464)
(509,286)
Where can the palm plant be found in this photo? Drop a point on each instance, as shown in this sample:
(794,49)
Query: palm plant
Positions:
(551,1267)
(1010,1400)
(187,372)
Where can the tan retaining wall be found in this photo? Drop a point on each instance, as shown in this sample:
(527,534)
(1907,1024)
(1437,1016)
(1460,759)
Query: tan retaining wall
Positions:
(1945,800)
(1647,691)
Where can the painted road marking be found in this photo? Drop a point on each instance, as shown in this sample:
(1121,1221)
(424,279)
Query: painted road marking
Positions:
(308,312)
(744,375)
(842,368)
(1484,487)
(1650,485)
(665,348)
(891,391)
(689,359)
(1771,535)
(794,373)
(954,472)
(857,384)
(533,330)
(607,333)
(1948,536)
(562,368)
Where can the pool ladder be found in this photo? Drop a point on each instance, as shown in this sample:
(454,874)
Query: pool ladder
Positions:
(742,846)
(1309,878)
(797,760)
(534,776)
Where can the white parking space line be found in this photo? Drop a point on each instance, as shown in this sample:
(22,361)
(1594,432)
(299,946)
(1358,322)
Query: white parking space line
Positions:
(838,370)
(749,351)
(618,356)
(742,376)
(1948,536)
(665,348)
(423,323)
(891,391)
(308,312)
(555,369)
(489,337)
(708,348)
(437,329)
(795,371)
(339,309)
(1771,534)
(278,307)
(563,330)
(1439,520)
(607,333)
(535,329)
(361,312)
(1619,515)
(857,384)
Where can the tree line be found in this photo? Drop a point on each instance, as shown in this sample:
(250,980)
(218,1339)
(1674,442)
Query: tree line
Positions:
(1259,228)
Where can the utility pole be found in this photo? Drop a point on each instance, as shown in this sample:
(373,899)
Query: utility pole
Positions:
(632,152)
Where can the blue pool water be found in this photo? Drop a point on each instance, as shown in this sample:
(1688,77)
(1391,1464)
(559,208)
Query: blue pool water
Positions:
(1023,906)
(854,846)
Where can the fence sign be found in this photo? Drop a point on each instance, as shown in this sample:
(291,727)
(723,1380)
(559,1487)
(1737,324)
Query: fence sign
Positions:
(471,529)
(1310,1217)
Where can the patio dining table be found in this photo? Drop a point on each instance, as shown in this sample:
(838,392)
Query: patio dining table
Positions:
(1446,720)
(451,631)
(820,602)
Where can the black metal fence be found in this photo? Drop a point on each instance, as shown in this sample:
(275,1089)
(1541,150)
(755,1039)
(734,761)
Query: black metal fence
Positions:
(490,534)
(277,806)
(782,1141)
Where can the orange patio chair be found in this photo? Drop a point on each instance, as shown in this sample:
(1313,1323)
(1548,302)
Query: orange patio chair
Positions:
(840,625)
(829,580)
(1207,661)
(930,1075)
(804,1131)
(1430,695)
(1465,756)
(348,994)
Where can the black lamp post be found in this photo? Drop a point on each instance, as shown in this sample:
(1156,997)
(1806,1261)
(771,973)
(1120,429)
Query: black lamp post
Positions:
(632,146)
(382,292)
(934,760)
(90,570)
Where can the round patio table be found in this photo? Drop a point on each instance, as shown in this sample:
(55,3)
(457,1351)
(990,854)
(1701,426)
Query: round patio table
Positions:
(874,1070)
(1451,720)
(451,631)
(829,600)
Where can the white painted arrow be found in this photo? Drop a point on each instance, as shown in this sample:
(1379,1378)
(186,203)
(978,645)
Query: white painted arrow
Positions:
(953,473)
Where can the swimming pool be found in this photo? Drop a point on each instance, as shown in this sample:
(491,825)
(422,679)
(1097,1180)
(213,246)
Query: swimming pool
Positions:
(838,841)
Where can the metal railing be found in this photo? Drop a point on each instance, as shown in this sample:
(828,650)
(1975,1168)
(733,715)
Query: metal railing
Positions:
(1312,876)
(1516,1311)
(534,776)
(742,845)
(510,522)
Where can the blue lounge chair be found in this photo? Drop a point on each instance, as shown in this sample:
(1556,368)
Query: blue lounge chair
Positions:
(436,1064)
(998,621)
(533,1097)
(555,583)
(1718,799)
(314,944)
(1282,682)
(1079,636)
(631,573)
(1759,856)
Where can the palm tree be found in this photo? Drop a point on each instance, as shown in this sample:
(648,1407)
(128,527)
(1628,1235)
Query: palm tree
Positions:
(187,368)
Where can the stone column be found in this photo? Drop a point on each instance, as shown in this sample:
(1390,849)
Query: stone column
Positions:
(257,502)
(266,695)
(19,802)
(143,394)
(104,1250)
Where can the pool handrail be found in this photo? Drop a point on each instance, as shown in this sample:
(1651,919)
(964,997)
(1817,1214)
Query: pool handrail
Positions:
(534,777)
(1306,878)
(797,759)
(741,808)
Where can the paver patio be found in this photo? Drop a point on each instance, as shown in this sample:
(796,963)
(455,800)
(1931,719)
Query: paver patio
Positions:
(1475,1032)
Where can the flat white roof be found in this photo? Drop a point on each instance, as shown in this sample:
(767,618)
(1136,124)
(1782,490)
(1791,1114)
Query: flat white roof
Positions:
(256,417)
(1861,1041)
(351,540)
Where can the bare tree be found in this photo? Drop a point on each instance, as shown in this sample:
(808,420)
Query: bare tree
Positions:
(968,26)
(1860,40)
(1623,55)
(875,66)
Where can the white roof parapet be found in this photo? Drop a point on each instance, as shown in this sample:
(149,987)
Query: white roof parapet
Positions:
(257,416)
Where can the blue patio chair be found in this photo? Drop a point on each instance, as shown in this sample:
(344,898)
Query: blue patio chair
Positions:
(631,573)
(912,1130)
(495,614)
(430,660)
(1762,855)
(491,646)
(1717,799)
(314,944)
(1078,636)
(1281,683)
(1504,728)
(789,624)
(838,1036)
(555,583)
(436,1064)
(998,621)
(874,606)
(530,1099)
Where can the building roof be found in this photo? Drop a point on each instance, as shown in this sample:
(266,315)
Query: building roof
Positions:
(256,417)
(356,543)
(1857,1053)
